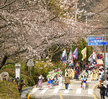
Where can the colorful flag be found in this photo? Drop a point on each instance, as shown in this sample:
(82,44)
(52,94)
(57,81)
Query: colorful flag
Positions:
(75,53)
(70,58)
(64,57)
(93,59)
(93,56)
(83,52)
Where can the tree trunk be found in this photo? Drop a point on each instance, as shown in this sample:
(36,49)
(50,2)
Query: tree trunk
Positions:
(26,67)
(3,61)
(32,70)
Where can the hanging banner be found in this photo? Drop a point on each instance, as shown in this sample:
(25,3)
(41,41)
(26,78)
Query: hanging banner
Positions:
(64,56)
(75,53)
(70,58)
(83,52)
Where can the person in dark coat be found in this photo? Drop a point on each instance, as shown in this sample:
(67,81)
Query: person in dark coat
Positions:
(107,91)
(77,72)
(20,85)
(17,80)
(102,91)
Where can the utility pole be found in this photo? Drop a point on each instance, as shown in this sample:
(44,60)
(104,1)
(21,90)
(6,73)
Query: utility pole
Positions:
(105,56)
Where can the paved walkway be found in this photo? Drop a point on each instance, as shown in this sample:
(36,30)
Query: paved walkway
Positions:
(75,90)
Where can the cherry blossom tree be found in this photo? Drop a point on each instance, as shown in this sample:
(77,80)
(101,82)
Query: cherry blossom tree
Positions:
(28,29)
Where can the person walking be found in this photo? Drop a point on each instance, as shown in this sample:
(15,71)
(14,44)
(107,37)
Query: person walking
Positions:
(55,80)
(76,73)
(17,80)
(81,81)
(106,86)
(102,91)
(20,85)
(48,79)
(101,72)
(51,82)
(60,79)
(40,81)
(107,90)
(84,82)
(67,82)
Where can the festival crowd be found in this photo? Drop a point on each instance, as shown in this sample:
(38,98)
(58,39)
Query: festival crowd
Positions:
(94,73)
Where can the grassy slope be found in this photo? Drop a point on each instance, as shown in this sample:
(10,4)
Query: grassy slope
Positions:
(8,90)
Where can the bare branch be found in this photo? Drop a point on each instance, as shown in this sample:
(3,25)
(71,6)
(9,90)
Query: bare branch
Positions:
(102,10)
(7,4)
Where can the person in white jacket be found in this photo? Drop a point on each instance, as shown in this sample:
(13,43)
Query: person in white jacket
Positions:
(60,79)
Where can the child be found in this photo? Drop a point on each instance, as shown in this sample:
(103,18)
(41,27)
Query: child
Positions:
(40,81)
(84,82)
(51,82)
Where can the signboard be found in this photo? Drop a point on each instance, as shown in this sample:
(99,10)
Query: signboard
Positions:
(30,62)
(97,43)
(106,60)
(17,73)
(93,41)
(17,70)
(102,43)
